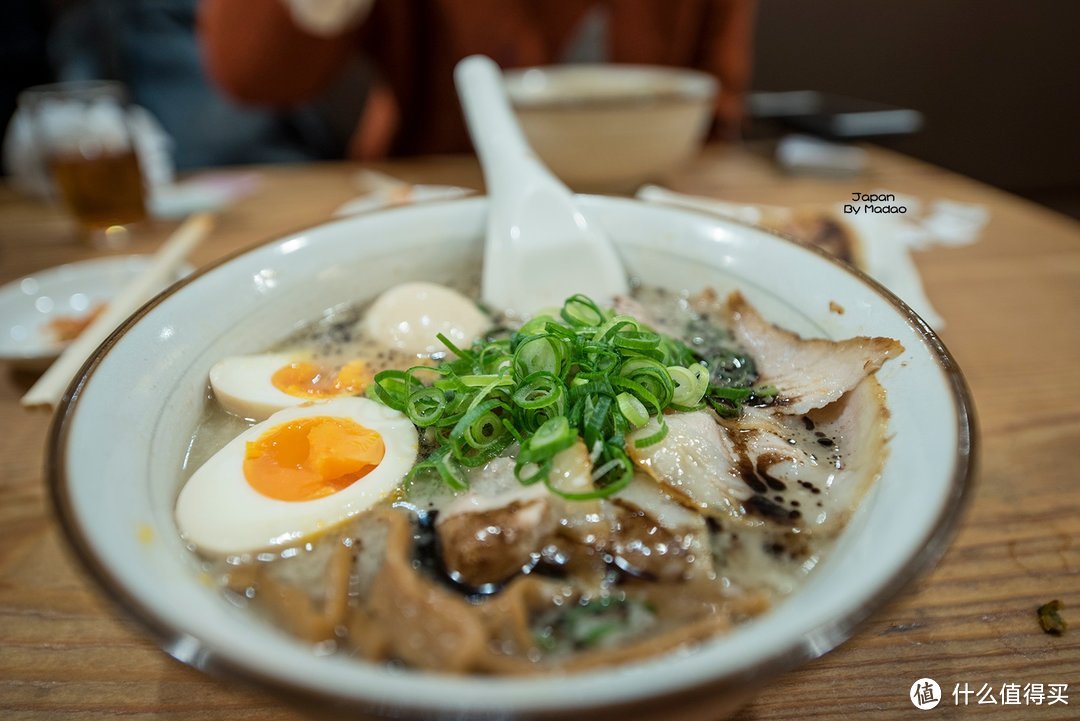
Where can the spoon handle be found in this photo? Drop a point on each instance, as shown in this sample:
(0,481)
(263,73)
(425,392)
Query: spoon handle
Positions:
(533,226)
(504,153)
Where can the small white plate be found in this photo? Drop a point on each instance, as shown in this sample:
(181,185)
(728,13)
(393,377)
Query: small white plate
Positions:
(27,304)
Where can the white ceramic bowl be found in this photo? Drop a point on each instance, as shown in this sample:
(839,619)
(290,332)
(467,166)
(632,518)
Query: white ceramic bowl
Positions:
(612,127)
(121,434)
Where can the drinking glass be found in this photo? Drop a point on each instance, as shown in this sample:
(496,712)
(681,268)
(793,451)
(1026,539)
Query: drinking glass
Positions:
(82,134)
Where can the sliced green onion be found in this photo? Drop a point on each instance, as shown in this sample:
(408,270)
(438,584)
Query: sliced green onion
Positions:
(447,470)
(639,391)
(538,390)
(639,340)
(568,375)
(560,331)
(425,406)
(614,478)
(651,375)
(391,388)
(453,348)
(598,358)
(592,388)
(484,392)
(632,409)
(512,430)
(615,325)
(731,394)
(476,414)
(540,471)
(538,353)
(767,391)
(580,311)
(690,384)
(595,412)
(481,380)
(550,438)
(484,431)
(654,438)
(536,324)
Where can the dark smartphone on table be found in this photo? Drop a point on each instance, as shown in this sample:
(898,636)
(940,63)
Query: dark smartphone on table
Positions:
(831,116)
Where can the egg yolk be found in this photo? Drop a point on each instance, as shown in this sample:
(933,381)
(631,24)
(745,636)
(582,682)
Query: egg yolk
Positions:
(310,458)
(307,380)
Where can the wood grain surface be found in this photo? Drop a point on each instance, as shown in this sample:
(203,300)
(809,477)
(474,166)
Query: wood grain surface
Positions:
(1011,303)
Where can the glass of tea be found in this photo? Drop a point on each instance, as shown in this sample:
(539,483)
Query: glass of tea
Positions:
(82,132)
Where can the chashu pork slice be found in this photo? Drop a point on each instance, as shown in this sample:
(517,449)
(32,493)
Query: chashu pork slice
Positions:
(859,425)
(695,462)
(490,533)
(765,467)
(808,373)
(655,536)
(813,479)
(498,528)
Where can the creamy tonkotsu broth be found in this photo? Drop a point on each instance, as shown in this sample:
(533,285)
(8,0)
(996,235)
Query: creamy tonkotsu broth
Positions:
(590,487)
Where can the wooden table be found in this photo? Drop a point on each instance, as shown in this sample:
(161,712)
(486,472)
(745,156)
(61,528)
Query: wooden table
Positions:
(1011,303)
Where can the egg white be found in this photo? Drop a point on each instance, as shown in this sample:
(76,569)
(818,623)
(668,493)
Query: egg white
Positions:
(221,513)
(243,386)
(409,316)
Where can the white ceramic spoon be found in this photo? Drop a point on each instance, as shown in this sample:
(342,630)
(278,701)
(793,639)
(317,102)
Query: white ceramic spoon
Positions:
(540,248)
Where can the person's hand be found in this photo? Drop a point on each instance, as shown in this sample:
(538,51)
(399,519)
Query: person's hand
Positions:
(328,17)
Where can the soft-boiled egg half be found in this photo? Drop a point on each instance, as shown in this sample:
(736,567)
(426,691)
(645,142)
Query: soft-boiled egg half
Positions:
(254,386)
(299,473)
(409,316)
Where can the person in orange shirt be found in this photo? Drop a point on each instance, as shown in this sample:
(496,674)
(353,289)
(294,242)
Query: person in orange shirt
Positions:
(284,52)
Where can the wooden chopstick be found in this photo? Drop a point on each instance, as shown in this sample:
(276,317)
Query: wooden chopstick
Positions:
(50,387)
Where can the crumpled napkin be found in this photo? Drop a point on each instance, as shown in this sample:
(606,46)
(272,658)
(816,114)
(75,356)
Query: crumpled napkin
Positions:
(879,244)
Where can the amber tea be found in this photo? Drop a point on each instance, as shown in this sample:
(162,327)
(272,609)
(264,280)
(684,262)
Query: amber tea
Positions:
(103,190)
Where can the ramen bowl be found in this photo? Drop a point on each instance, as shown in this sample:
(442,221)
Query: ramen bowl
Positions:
(120,438)
(612,127)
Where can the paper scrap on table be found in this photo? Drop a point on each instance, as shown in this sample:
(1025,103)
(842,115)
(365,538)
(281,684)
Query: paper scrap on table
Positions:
(202,193)
(878,244)
(384,191)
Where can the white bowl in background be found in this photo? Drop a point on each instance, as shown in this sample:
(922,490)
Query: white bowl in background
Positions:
(120,436)
(612,127)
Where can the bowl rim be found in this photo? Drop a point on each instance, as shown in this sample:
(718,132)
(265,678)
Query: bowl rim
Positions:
(691,84)
(826,637)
